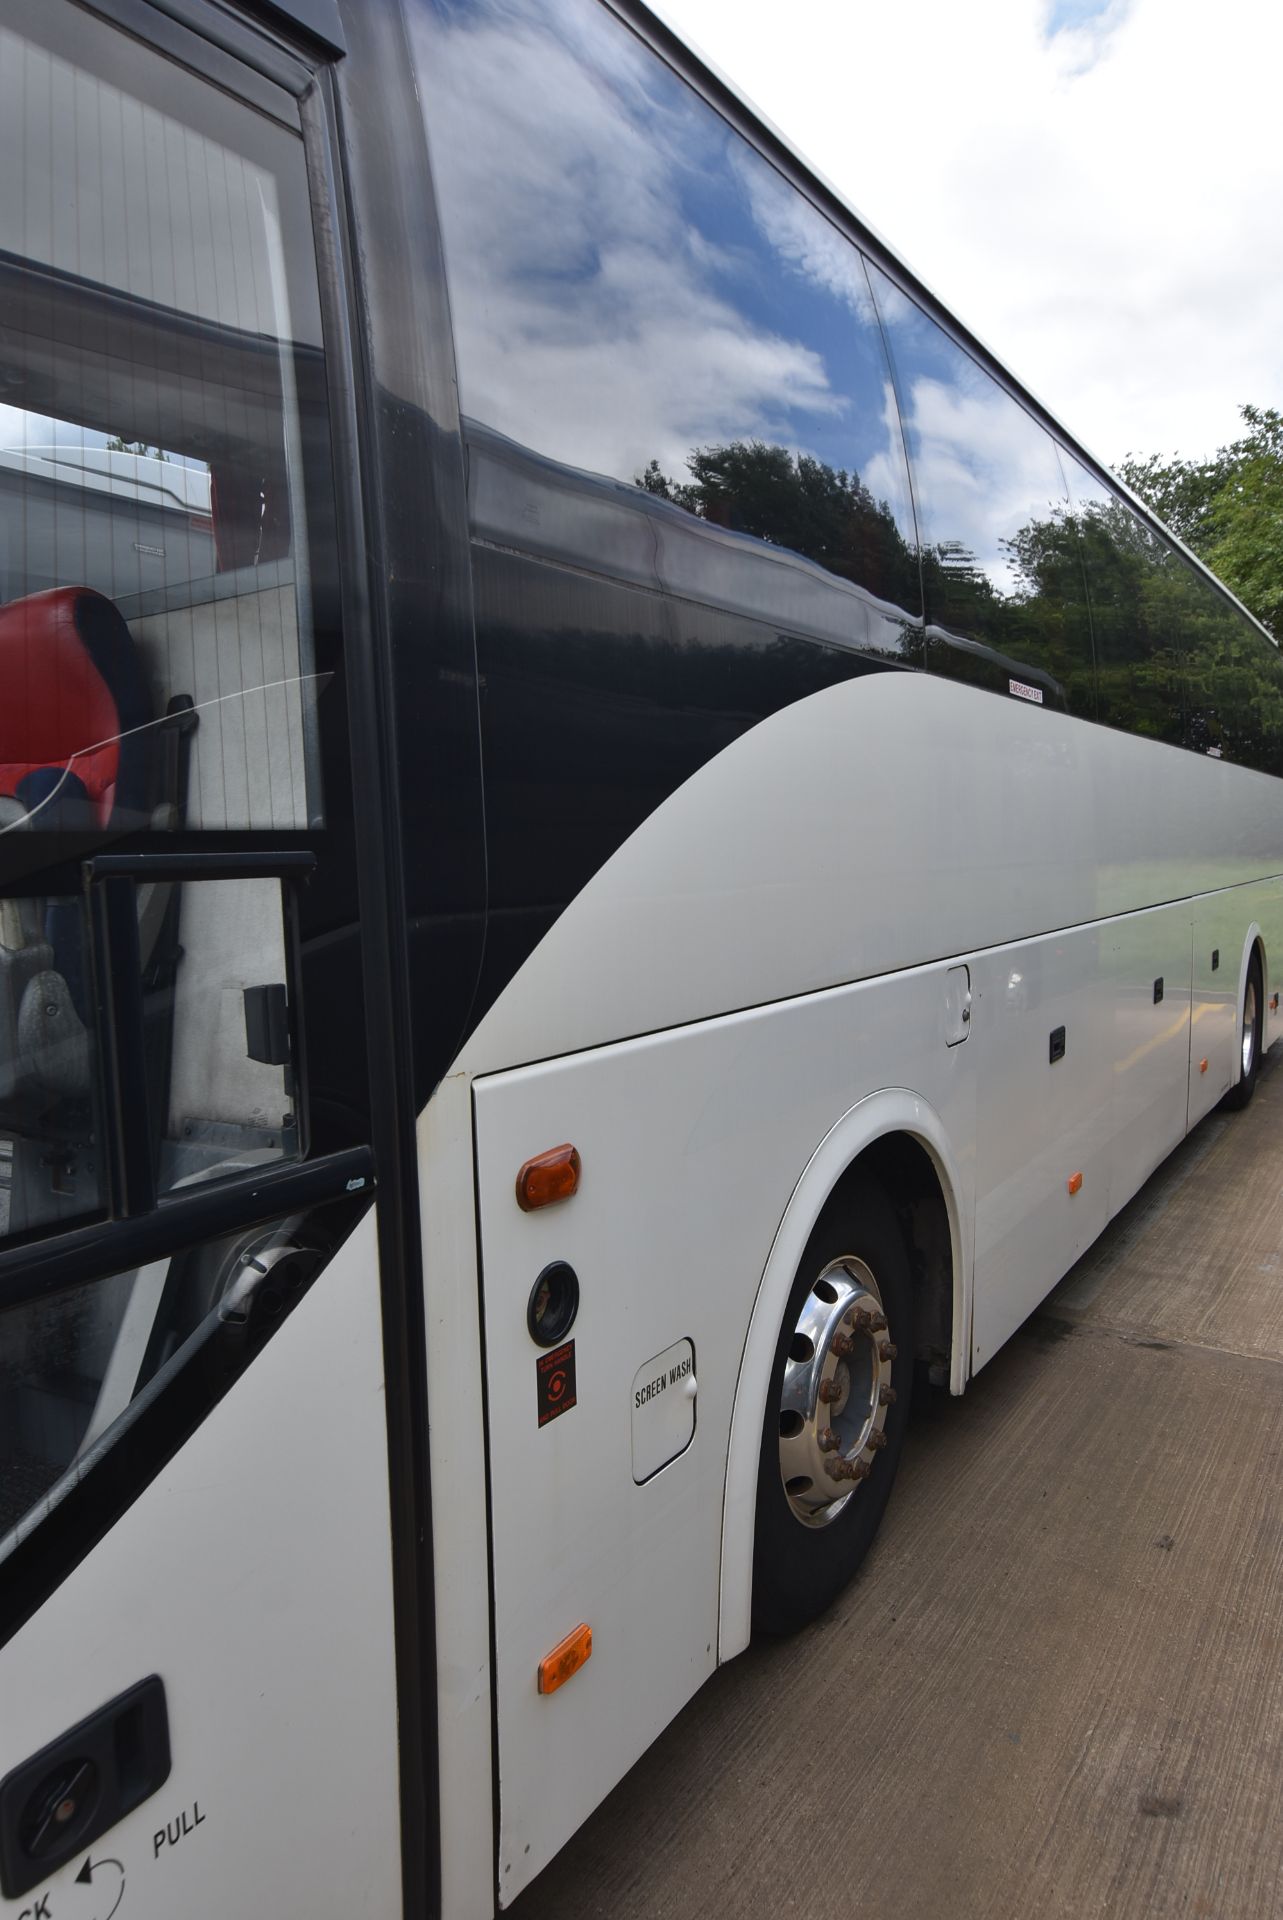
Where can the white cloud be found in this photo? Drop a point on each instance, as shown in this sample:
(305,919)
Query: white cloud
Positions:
(1079,31)
(808,243)
(884,474)
(1099,202)
(981,472)
(594,321)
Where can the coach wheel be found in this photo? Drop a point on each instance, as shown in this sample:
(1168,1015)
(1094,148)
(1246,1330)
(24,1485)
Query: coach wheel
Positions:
(836,1410)
(835,1393)
(1249,1036)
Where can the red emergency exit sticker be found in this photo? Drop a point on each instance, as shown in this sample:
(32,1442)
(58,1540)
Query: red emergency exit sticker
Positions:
(555,1375)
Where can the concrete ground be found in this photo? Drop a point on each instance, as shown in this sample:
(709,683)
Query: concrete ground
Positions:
(1056,1688)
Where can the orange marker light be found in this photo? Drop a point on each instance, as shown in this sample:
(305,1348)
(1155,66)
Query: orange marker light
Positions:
(1202,1066)
(565,1660)
(549,1176)
(1074,1181)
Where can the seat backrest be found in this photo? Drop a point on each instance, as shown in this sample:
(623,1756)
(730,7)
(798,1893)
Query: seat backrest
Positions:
(74,700)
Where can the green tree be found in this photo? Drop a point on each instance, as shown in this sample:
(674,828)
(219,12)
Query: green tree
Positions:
(1173,659)
(1118,659)
(1228,509)
(1247,519)
(793,500)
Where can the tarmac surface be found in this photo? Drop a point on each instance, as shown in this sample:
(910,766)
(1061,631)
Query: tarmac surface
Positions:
(1056,1686)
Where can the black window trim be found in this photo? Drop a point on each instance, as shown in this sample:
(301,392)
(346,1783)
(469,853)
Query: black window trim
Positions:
(385,948)
(240,60)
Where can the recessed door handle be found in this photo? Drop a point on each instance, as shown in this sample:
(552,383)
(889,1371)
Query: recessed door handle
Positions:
(58,1802)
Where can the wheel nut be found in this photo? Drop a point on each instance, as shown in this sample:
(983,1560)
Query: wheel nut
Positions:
(847,1470)
(887,1350)
(830,1390)
(827,1439)
(860,1319)
(886,1396)
(878,1323)
(842,1345)
(877,1440)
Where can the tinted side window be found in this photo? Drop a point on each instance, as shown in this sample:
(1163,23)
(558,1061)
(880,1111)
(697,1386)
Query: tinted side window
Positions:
(1001,572)
(638,297)
(1234,682)
(1138,588)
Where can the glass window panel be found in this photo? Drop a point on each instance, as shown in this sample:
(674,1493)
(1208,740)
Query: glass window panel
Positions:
(1234,682)
(1138,588)
(50,1161)
(209,1004)
(217,1007)
(1001,572)
(638,297)
(73,1368)
(161,373)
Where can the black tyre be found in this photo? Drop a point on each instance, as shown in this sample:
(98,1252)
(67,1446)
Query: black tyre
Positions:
(1251,1030)
(836,1410)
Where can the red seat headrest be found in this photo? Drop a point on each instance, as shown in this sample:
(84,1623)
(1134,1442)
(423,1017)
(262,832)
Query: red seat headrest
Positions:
(57,708)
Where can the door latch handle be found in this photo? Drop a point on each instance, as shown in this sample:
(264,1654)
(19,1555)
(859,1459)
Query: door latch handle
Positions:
(60,1800)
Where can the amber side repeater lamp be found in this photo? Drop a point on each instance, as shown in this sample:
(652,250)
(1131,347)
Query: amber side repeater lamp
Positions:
(549,1176)
(565,1660)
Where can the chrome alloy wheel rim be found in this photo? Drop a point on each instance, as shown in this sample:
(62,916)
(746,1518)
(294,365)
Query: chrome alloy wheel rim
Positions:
(835,1393)
(1249,1027)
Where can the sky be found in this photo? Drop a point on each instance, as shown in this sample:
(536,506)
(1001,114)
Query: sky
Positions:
(1094,187)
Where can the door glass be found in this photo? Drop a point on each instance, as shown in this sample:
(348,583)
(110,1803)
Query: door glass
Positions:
(226,1102)
(219,1029)
(50,1160)
(73,1368)
(169,616)
(162,377)
(168,597)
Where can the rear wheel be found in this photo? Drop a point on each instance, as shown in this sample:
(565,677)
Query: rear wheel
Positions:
(1251,1027)
(836,1411)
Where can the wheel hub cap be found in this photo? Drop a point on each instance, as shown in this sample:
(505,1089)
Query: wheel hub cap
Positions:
(835,1392)
(1249,1027)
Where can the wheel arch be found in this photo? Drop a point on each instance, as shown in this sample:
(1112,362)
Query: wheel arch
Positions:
(899,1136)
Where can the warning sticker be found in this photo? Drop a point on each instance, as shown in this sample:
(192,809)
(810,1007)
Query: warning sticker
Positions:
(555,1375)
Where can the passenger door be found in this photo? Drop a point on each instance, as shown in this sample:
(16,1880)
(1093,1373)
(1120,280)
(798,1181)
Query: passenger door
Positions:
(196,1642)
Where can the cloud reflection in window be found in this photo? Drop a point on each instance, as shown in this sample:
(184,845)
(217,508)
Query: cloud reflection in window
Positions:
(630,280)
